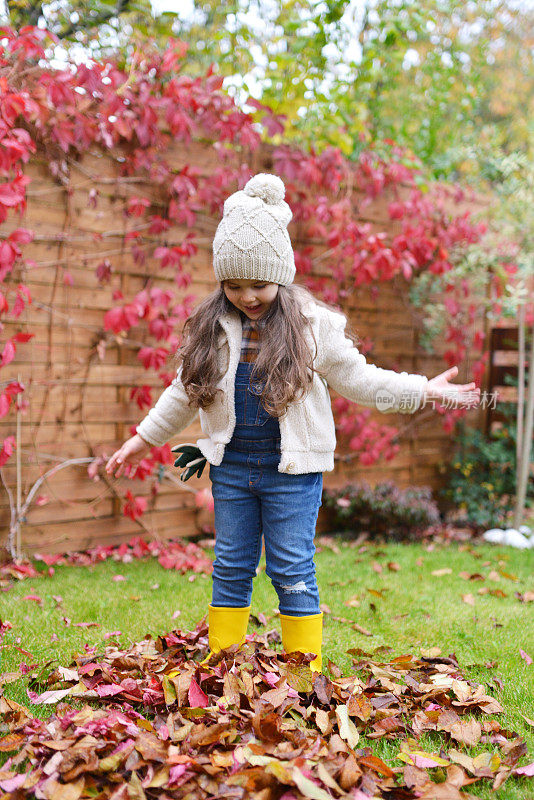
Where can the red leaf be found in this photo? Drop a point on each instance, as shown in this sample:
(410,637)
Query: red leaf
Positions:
(21,236)
(137,206)
(5,402)
(8,353)
(10,195)
(22,337)
(197,698)
(6,452)
(152,357)
(114,319)
(34,597)
(134,506)
(142,396)
(108,689)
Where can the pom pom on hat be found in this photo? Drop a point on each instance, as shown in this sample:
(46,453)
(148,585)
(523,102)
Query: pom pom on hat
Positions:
(269,188)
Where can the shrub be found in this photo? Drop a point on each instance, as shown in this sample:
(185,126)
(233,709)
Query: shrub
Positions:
(383,511)
(482,477)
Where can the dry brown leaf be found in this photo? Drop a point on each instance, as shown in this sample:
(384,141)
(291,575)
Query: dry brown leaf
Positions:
(468,732)
(469,599)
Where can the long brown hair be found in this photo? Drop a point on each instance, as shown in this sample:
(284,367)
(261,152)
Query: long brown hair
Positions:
(284,360)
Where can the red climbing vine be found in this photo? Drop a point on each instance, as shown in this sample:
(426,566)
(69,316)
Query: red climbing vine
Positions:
(136,110)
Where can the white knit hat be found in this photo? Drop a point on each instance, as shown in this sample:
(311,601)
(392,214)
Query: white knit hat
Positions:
(251,240)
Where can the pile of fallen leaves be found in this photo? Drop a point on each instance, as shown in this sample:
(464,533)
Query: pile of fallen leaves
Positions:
(252,721)
(175,554)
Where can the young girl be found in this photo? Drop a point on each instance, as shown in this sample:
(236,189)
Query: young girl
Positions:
(257,358)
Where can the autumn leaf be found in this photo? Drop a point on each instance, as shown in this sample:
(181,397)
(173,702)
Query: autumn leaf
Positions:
(469,599)
(347,728)
(197,698)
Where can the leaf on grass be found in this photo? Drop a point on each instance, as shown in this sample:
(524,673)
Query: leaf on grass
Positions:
(347,728)
(525,657)
(376,764)
(430,652)
(11,781)
(468,732)
(489,761)
(68,674)
(527,770)
(441,791)
(350,774)
(360,706)
(10,677)
(110,634)
(327,779)
(34,597)
(421,759)
(469,599)
(377,593)
(86,625)
(439,573)
(11,742)
(472,576)
(508,576)
(237,726)
(49,697)
(361,630)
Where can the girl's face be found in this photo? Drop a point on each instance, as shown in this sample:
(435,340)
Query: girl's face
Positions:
(253,298)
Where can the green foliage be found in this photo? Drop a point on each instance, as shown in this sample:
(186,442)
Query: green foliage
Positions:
(383,511)
(439,77)
(87,22)
(481,480)
(496,270)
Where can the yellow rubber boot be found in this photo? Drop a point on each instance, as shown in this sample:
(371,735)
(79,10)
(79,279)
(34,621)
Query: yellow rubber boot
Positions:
(304,634)
(226,626)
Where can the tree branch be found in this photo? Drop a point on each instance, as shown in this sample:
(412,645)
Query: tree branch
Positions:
(92,22)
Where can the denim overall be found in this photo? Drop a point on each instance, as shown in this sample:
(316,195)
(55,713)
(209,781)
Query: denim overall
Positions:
(252,499)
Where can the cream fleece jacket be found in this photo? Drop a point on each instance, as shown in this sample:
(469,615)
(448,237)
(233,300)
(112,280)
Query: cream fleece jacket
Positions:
(307,429)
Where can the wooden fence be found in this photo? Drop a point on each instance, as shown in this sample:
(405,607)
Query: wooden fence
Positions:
(503,364)
(78,394)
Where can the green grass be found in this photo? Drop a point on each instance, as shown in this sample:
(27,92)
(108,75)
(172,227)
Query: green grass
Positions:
(415,610)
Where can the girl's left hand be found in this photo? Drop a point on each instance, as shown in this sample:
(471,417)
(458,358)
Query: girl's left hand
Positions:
(463,395)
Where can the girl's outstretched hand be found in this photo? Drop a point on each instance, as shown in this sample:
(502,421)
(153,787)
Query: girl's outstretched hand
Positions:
(462,395)
(131,452)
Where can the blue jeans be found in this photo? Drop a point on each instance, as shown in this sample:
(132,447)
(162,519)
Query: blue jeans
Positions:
(254,500)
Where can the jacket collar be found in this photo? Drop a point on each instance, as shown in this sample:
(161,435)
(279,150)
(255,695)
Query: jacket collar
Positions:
(231,325)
